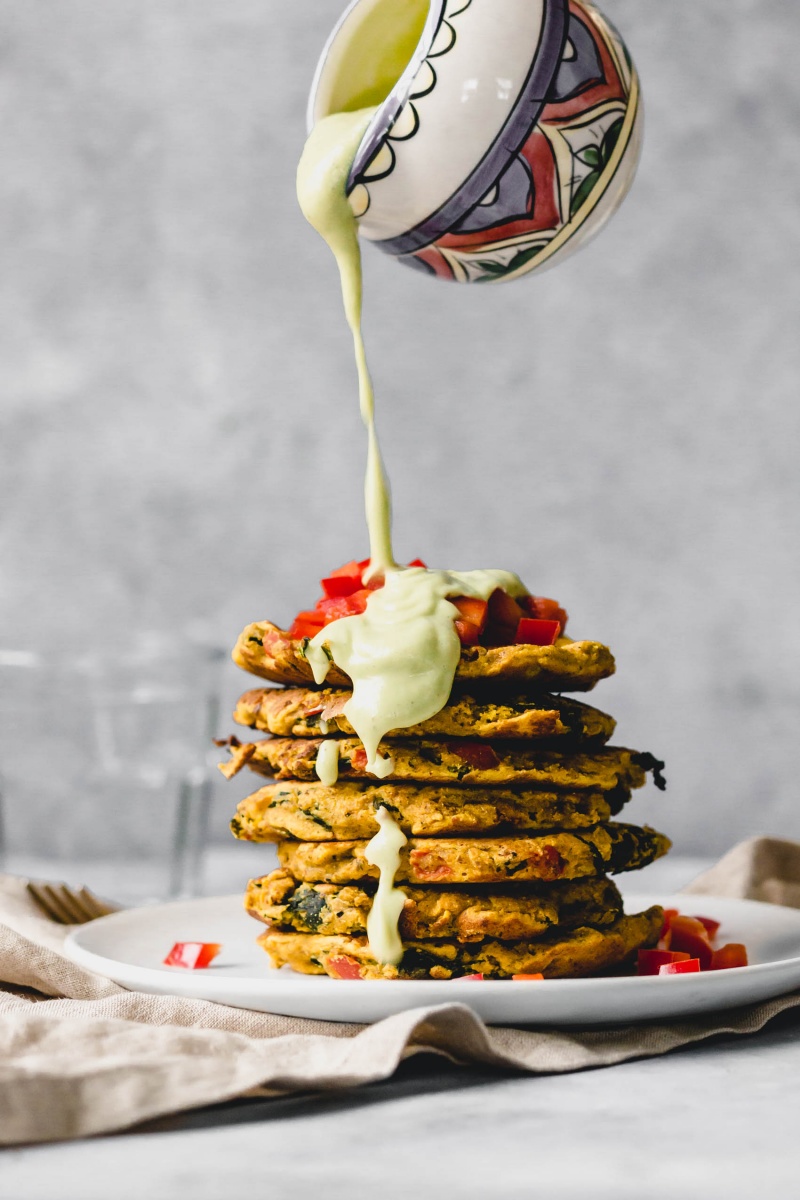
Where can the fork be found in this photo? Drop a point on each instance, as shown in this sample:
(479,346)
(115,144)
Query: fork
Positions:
(66,905)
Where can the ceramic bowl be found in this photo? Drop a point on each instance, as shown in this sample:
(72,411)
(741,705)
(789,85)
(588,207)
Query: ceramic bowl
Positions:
(506,133)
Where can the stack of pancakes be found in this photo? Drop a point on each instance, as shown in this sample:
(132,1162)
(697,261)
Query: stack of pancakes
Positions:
(506,798)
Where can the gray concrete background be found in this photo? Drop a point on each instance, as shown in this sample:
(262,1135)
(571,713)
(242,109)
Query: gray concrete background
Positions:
(180,440)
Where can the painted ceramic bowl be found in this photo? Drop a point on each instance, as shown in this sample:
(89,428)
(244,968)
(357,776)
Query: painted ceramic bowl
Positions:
(507,132)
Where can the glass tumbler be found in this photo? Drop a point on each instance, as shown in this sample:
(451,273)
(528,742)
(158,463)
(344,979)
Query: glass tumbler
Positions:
(106,764)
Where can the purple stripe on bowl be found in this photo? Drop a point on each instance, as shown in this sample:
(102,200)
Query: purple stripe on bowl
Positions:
(521,120)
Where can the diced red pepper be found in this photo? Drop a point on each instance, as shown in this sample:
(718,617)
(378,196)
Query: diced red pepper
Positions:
(477,754)
(669,916)
(533,632)
(689,935)
(544,609)
(350,570)
(472,610)
(650,962)
(527,976)
(343,967)
(687,966)
(194,956)
(472,621)
(417,562)
(340,585)
(468,634)
(710,926)
(734,954)
(343,606)
(359,759)
(306,625)
(504,617)
(477,978)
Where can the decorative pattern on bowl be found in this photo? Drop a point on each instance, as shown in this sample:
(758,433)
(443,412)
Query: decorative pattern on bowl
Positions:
(510,138)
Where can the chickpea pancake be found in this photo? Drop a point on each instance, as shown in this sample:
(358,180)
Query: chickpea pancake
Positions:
(481,764)
(607,848)
(264,649)
(580,952)
(304,712)
(314,812)
(510,914)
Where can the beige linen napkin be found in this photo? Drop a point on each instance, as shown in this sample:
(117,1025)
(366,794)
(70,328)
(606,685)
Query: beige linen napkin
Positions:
(79,1055)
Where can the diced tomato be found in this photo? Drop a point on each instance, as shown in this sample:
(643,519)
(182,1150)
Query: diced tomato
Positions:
(685,933)
(734,954)
(477,754)
(544,609)
(650,962)
(476,978)
(343,967)
(687,966)
(710,926)
(533,632)
(306,625)
(192,955)
(527,976)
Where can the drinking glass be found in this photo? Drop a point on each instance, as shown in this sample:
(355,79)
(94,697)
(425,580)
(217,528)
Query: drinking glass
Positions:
(106,765)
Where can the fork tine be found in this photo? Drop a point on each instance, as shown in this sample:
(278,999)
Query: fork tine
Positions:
(52,909)
(62,897)
(94,906)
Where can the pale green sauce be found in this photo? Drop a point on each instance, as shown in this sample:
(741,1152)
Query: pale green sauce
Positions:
(402,652)
(384,853)
(327,762)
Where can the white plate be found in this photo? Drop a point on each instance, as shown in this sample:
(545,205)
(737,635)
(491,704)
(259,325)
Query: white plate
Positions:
(128,947)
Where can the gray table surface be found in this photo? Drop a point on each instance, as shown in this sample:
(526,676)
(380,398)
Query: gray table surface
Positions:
(717,1120)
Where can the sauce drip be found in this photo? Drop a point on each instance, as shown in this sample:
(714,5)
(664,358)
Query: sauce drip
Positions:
(402,652)
(327,762)
(322,192)
(384,853)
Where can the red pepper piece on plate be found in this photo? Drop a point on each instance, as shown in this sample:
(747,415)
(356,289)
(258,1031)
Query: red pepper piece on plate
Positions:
(734,954)
(532,632)
(477,978)
(669,916)
(526,977)
(192,955)
(687,934)
(343,967)
(709,925)
(650,962)
(687,966)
